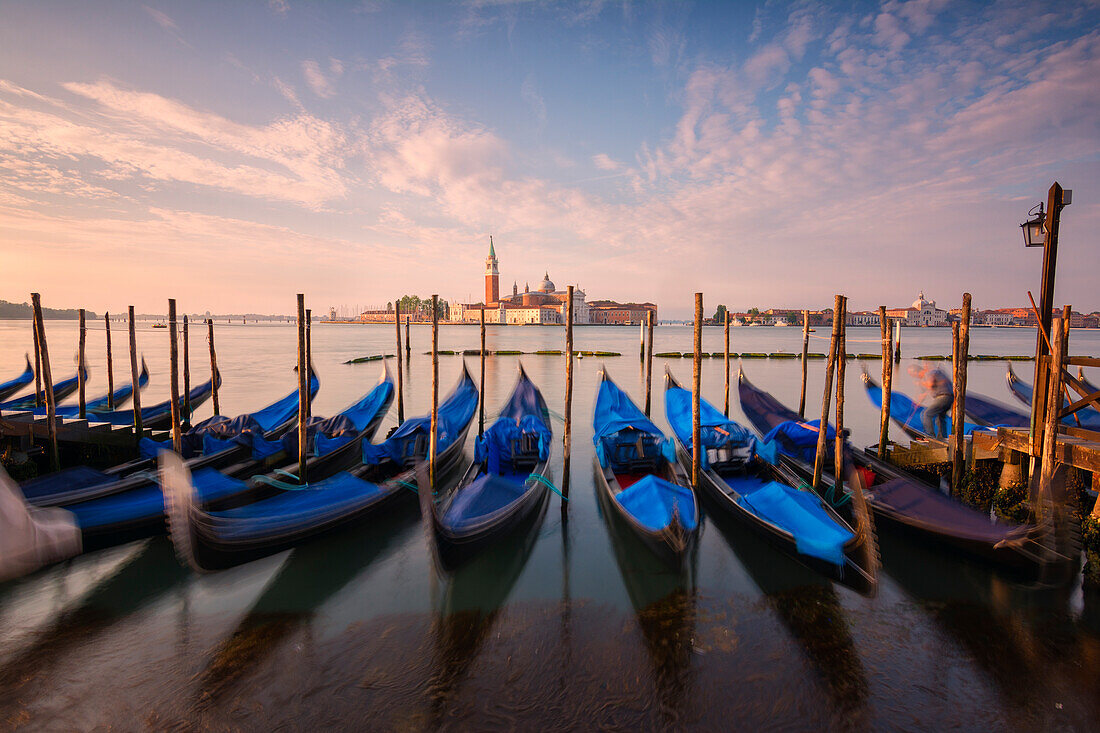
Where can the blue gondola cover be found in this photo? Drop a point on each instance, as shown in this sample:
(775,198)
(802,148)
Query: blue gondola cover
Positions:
(653,502)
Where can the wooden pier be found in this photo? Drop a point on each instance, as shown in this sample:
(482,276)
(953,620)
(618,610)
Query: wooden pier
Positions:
(29,429)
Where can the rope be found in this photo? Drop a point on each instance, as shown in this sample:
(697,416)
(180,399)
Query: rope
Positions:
(288,474)
(830,495)
(546,482)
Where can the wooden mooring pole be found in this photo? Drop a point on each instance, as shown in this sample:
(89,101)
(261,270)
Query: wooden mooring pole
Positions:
(958,407)
(841,366)
(303,393)
(213,365)
(408,345)
(481,384)
(726,356)
(649,361)
(309,362)
(696,379)
(897,342)
(37,366)
(135,387)
(887,379)
(641,342)
(805,366)
(47,382)
(110,364)
(567,432)
(1052,419)
(826,397)
(186,374)
(82,368)
(400,358)
(173,356)
(433,442)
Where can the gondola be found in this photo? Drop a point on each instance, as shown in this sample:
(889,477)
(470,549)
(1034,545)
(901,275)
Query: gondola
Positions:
(504,484)
(902,501)
(139,513)
(10,387)
(61,390)
(100,404)
(212,540)
(1088,416)
(639,473)
(248,452)
(158,416)
(763,497)
(908,415)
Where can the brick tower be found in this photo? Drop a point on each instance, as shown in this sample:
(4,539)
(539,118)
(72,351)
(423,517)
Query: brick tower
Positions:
(492,276)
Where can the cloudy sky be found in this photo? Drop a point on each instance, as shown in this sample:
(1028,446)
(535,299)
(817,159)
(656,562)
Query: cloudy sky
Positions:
(233,154)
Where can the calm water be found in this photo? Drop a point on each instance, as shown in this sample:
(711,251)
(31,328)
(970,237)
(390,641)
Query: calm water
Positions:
(571,626)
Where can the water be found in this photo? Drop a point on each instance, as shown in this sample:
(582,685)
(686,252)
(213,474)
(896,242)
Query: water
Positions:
(570,626)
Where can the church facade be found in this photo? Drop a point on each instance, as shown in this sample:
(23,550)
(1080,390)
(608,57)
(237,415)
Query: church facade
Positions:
(542,306)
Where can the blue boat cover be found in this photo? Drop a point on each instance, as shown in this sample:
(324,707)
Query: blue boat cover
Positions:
(798,512)
(715,429)
(497,446)
(618,426)
(332,498)
(69,479)
(993,413)
(488,494)
(454,415)
(324,435)
(908,414)
(126,417)
(62,388)
(147,502)
(653,502)
(798,439)
(14,385)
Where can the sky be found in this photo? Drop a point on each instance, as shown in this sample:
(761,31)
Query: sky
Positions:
(766,154)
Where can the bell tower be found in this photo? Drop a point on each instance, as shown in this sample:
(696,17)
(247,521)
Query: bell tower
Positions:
(492,276)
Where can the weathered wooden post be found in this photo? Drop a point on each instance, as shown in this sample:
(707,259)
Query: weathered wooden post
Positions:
(400,379)
(433,442)
(958,446)
(841,366)
(827,395)
(81,368)
(408,346)
(954,379)
(187,373)
(37,364)
(213,366)
(481,384)
(641,342)
(309,361)
(173,356)
(110,364)
(567,433)
(897,343)
(726,356)
(1050,426)
(696,379)
(1055,204)
(47,382)
(649,361)
(303,393)
(887,378)
(805,366)
(135,386)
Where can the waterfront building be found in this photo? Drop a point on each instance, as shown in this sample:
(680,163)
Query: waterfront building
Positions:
(921,313)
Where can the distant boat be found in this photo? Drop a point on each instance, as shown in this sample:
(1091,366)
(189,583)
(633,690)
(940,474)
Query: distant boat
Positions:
(160,325)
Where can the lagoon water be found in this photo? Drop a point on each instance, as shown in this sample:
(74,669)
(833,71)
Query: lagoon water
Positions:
(571,627)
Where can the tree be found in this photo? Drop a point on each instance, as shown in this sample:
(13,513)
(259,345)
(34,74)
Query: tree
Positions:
(389,306)
(720,314)
(792,319)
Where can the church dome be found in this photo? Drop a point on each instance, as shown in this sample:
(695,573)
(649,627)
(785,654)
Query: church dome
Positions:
(920,302)
(547,286)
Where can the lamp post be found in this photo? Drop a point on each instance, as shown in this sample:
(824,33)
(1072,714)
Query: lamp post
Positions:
(1041,230)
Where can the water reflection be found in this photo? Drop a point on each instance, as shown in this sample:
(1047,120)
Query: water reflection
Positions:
(470,605)
(313,573)
(808,606)
(664,601)
(148,575)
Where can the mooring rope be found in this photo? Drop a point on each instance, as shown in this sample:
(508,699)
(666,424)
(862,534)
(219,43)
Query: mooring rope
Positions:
(549,484)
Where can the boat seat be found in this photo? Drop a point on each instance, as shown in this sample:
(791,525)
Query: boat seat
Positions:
(728,458)
(525,453)
(639,456)
(414,450)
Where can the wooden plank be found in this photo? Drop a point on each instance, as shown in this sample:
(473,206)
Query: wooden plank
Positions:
(1083,361)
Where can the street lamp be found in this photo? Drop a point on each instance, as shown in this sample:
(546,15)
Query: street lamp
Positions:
(1035,227)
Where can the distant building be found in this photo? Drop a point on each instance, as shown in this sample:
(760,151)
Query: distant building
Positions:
(544,305)
(921,313)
